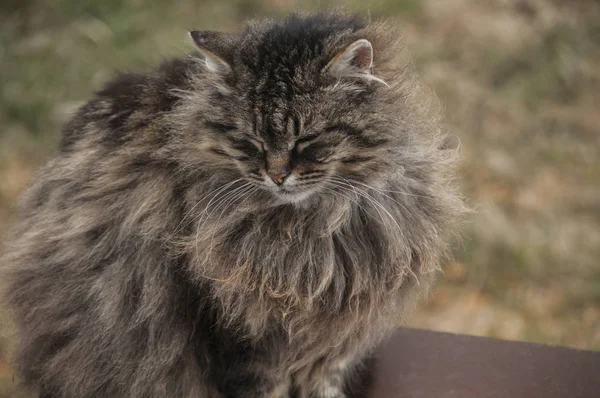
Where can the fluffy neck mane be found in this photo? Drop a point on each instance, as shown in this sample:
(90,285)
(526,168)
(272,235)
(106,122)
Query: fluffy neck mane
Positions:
(336,256)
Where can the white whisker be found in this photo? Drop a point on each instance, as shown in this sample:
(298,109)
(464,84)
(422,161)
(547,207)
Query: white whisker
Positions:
(214,192)
(381,190)
(243,194)
(207,213)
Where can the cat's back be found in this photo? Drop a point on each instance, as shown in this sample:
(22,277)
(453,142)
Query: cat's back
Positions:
(105,151)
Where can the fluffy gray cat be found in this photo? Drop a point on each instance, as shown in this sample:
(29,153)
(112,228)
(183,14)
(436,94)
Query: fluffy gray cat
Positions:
(249,221)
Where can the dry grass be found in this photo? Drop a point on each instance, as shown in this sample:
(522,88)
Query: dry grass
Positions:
(520,82)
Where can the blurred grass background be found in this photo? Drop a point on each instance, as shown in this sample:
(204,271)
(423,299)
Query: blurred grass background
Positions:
(520,84)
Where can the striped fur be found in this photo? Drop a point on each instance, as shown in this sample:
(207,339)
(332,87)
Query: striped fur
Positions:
(154,257)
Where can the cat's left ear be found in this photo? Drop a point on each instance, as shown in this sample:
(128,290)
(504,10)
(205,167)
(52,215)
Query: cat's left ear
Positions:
(355,60)
(216,49)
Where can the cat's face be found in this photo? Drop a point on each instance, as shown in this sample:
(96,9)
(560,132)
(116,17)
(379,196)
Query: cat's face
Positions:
(294,121)
(319,143)
(291,164)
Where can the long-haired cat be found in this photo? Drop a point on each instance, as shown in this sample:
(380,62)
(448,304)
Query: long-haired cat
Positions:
(249,221)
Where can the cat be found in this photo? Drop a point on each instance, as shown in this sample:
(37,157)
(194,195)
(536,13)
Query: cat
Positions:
(250,220)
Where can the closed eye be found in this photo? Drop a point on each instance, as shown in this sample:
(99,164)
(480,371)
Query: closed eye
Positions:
(249,147)
(303,142)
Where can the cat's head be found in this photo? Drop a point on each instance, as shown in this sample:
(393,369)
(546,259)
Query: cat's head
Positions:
(298,107)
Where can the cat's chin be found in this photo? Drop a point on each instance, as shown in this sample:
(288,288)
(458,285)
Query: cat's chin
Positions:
(293,196)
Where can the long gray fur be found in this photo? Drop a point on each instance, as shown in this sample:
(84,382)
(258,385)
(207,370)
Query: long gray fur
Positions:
(153,259)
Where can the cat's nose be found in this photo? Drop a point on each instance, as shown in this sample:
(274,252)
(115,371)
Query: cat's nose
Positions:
(279,176)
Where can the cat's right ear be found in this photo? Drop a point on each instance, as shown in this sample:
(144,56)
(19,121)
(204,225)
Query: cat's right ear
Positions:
(215,48)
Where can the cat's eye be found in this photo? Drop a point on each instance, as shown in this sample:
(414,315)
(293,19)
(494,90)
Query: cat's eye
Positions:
(249,147)
(301,143)
(258,144)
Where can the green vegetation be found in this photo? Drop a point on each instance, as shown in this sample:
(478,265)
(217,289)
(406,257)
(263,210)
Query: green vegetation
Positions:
(520,84)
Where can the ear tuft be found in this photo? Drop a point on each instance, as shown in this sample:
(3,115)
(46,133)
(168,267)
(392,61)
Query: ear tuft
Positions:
(354,60)
(215,47)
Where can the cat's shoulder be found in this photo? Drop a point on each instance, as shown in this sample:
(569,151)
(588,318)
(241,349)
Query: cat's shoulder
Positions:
(127,102)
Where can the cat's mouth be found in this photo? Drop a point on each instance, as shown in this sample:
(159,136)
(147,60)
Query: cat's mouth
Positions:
(287,190)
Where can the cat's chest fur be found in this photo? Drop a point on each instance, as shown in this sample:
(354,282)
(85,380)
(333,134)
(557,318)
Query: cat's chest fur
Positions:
(298,268)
